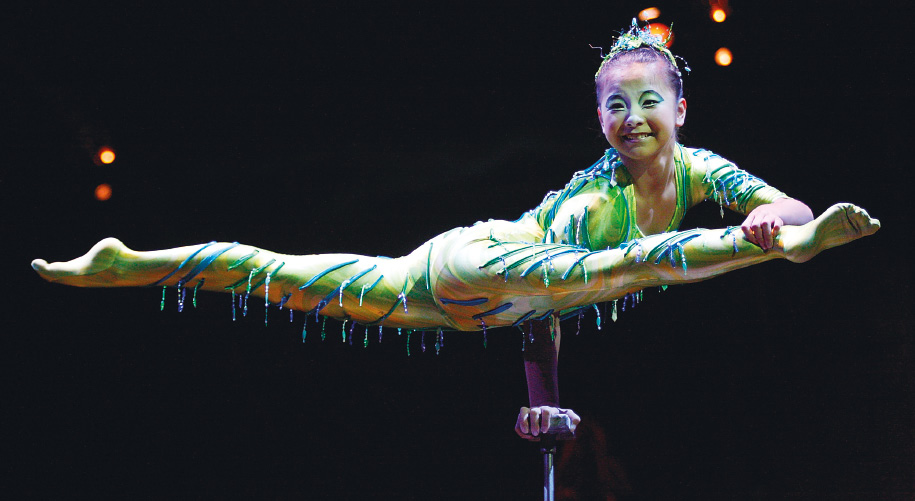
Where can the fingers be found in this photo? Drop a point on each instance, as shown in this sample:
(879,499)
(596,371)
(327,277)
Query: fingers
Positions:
(522,428)
(535,421)
(761,230)
(545,414)
(573,418)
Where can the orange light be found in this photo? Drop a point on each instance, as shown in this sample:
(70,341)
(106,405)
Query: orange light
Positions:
(649,14)
(661,30)
(106,155)
(719,15)
(723,56)
(103,192)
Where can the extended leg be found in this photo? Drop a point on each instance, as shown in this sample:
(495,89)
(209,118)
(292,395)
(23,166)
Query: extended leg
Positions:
(521,281)
(370,290)
(466,279)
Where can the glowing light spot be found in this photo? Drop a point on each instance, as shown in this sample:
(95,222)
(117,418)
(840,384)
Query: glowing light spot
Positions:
(106,155)
(719,15)
(103,192)
(649,14)
(723,56)
(661,30)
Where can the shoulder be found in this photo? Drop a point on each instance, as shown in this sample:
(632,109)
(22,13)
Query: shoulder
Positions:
(701,162)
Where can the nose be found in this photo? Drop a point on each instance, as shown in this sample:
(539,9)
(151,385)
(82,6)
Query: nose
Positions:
(634,120)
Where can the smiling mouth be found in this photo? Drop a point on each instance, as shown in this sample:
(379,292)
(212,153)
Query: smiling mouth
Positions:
(637,136)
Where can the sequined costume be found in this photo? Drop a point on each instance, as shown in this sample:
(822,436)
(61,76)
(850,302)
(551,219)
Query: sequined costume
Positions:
(580,246)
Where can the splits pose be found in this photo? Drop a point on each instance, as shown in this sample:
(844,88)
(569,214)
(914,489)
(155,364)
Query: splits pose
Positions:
(611,231)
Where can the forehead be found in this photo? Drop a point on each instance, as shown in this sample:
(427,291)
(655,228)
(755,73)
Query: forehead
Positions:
(634,77)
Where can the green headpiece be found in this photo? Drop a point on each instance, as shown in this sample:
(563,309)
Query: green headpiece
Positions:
(637,38)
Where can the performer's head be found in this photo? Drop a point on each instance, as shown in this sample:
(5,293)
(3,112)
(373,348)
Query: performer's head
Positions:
(640,101)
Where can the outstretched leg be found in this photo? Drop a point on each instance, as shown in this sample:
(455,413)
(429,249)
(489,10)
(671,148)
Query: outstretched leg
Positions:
(369,290)
(487,275)
(520,281)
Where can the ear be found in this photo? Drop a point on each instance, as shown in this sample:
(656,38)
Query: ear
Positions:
(600,118)
(681,112)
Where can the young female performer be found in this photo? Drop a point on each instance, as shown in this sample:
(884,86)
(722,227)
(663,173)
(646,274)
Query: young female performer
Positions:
(609,232)
(640,107)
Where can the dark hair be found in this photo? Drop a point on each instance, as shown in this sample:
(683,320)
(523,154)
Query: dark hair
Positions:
(642,55)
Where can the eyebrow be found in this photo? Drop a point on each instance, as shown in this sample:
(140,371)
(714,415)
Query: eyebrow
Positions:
(649,91)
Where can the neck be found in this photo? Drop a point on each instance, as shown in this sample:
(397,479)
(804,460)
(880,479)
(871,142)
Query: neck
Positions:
(651,175)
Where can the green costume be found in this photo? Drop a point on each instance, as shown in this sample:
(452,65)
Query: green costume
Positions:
(580,246)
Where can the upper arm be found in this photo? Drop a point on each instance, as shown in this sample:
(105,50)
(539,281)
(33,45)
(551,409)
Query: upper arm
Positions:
(717,179)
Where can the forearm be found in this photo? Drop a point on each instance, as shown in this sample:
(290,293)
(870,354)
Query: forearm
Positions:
(792,211)
(541,361)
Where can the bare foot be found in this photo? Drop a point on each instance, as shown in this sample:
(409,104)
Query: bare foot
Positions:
(94,269)
(839,225)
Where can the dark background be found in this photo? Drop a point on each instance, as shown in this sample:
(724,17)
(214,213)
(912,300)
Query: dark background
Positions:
(306,127)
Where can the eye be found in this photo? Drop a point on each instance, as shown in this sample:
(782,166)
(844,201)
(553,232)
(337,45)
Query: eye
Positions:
(650,103)
(615,105)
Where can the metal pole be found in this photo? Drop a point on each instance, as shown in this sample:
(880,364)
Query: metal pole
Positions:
(548,448)
(560,429)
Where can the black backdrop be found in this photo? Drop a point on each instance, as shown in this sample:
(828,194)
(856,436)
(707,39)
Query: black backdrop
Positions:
(353,128)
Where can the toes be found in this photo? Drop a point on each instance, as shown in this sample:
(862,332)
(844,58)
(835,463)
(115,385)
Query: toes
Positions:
(860,221)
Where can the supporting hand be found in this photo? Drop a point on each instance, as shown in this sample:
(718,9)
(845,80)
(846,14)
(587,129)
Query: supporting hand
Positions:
(535,421)
(763,223)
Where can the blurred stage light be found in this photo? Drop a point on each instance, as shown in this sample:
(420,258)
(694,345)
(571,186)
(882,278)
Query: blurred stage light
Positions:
(723,56)
(106,155)
(103,192)
(719,15)
(662,31)
(649,14)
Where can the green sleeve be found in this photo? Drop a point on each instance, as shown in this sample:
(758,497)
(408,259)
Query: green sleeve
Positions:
(715,178)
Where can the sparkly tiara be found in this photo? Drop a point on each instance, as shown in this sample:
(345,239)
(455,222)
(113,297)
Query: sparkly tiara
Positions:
(637,38)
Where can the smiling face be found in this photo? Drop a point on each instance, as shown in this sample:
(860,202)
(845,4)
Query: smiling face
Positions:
(639,112)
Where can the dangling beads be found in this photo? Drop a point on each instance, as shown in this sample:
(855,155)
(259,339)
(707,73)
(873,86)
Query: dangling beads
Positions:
(247,293)
(682,256)
(598,316)
(720,203)
(181,292)
(266,298)
(199,283)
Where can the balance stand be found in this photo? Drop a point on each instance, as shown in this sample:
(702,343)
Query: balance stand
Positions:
(559,430)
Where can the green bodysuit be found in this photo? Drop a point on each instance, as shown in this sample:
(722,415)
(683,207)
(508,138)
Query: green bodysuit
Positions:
(580,246)
(596,210)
